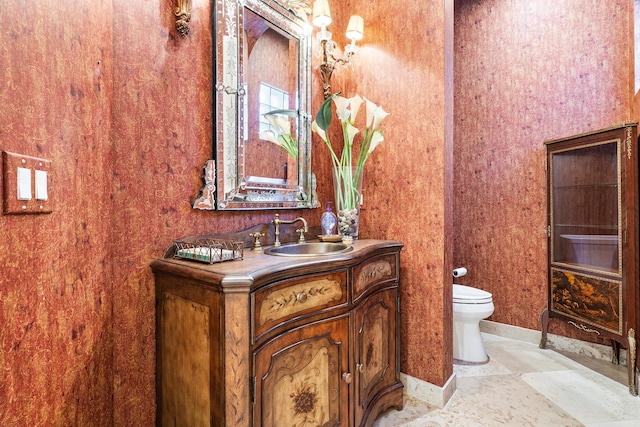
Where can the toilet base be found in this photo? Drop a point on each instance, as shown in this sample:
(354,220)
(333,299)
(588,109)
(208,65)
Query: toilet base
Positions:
(465,363)
(467,342)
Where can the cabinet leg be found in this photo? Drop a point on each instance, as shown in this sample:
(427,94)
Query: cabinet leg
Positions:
(631,363)
(544,320)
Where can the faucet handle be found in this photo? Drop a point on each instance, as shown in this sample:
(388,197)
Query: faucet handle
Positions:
(256,243)
(276,225)
(301,231)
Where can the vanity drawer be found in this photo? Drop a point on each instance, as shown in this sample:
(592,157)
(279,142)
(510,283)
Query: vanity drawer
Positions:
(283,301)
(376,270)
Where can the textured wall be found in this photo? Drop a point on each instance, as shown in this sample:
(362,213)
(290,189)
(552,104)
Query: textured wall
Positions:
(526,72)
(56,288)
(404,181)
(123,108)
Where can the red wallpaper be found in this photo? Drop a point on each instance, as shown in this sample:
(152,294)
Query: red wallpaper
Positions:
(404,181)
(122,106)
(526,72)
(56,289)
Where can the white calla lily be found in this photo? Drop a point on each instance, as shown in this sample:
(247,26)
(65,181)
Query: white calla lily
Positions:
(280,123)
(376,139)
(269,135)
(321,133)
(371,108)
(342,108)
(378,115)
(350,133)
(281,132)
(355,102)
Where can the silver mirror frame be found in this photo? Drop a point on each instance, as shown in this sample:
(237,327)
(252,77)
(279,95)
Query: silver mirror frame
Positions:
(227,169)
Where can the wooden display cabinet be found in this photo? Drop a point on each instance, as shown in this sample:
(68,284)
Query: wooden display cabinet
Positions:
(272,341)
(592,188)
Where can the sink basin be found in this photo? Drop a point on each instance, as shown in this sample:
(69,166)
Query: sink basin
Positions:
(309,249)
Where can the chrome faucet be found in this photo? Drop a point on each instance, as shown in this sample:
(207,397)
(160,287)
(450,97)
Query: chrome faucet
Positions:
(277,221)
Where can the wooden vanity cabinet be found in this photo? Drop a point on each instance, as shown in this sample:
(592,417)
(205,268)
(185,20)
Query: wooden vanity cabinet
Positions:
(271,341)
(593,237)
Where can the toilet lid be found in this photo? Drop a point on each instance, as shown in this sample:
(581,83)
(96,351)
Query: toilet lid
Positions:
(468,295)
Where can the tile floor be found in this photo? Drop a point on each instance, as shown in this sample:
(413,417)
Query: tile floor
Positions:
(523,385)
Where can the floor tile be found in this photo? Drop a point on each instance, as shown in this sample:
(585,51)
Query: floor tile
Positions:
(523,385)
(589,397)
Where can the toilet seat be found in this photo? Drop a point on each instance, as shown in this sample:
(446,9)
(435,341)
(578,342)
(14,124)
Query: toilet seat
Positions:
(467,295)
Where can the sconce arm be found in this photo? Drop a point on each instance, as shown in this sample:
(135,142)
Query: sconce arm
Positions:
(183,15)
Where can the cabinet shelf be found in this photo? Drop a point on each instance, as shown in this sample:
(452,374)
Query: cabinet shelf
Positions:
(585,186)
(589,226)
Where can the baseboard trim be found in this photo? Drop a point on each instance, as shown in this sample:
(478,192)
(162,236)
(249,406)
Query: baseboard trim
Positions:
(556,342)
(427,392)
(440,396)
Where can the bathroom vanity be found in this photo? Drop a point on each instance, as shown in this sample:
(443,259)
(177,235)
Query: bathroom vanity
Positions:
(593,237)
(279,340)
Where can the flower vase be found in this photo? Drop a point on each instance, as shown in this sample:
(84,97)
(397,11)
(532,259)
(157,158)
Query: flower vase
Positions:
(347,190)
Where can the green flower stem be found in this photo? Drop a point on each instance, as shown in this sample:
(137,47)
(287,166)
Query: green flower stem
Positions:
(289,145)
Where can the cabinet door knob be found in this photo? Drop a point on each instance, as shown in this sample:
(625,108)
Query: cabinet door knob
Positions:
(301,297)
(347,377)
(360,367)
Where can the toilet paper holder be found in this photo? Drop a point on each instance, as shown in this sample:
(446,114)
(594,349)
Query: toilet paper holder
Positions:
(459,272)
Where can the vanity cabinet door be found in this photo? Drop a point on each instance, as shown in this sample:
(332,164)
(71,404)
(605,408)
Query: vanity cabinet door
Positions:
(376,351)
(302,377)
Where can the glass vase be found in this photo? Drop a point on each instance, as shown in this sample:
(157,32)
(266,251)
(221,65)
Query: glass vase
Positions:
(347,190)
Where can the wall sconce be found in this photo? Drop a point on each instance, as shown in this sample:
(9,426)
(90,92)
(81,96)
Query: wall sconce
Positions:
(182,17)
(355,30)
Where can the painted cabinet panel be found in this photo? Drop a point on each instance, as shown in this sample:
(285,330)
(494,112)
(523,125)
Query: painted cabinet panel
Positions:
(299,377)
(376,348)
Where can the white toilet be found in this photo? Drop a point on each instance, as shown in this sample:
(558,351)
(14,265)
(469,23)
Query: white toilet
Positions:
(470,305)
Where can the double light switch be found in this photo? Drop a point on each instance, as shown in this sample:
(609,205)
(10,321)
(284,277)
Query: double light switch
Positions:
(26,184)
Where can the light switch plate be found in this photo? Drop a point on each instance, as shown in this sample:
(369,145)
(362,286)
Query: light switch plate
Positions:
(39,172)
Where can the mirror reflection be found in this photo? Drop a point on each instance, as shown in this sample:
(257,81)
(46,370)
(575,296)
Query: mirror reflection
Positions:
(262,64)
(271,77)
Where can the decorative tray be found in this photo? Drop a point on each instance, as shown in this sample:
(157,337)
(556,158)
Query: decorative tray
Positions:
(208,250)
(331,238)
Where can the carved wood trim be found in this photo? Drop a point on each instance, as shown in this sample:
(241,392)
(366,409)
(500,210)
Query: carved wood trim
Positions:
(206,199)
(294,299)
(291,299)
(236,341)
(374,271)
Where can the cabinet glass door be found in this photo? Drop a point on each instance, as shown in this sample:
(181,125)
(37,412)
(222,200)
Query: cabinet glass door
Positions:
(585,207)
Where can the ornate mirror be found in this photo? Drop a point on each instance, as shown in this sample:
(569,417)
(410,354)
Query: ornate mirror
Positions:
(262,64)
